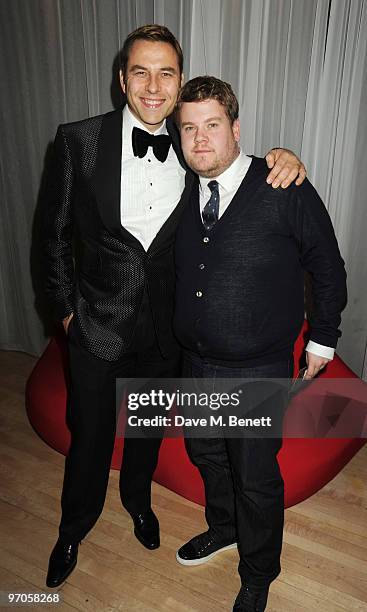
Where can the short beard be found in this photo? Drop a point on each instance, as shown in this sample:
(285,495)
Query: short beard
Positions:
(219,168)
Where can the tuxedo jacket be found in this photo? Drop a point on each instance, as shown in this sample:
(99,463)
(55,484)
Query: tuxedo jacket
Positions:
(94,267)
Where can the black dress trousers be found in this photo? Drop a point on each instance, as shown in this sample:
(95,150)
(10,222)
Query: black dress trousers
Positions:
(243,485)
(91,418)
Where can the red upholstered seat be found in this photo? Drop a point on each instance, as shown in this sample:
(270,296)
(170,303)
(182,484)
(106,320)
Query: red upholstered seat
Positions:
(306,464)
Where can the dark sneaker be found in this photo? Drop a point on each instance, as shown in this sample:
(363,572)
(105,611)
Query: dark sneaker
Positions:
(249,600)
(201,549)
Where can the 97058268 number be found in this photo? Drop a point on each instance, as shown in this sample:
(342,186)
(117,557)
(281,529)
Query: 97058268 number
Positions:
(13,598)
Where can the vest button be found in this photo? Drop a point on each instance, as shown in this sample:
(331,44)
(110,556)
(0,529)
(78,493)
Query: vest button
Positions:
(199,294)
(206,239)
(201,266)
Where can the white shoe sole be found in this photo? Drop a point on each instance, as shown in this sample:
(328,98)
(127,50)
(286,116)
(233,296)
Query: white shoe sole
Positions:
(203,559)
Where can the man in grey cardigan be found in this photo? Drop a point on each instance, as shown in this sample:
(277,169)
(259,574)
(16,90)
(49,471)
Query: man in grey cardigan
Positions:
(241,251)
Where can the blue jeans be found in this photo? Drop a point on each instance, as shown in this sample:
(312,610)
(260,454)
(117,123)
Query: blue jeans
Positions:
(243,484)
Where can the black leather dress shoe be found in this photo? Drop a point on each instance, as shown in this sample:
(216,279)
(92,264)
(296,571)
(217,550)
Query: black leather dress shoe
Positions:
(62,562)
(249,600)
(146,529)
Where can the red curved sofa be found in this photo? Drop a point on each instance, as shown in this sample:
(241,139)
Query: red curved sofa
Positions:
(307,464)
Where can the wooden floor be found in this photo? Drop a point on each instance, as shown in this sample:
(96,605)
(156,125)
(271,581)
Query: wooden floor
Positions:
(325,541)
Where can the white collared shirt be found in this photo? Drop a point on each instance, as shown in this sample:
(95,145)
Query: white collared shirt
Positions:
(229,182)
(150,189)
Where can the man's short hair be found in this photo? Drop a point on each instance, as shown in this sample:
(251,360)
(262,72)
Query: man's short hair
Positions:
(210,88)
(154,33)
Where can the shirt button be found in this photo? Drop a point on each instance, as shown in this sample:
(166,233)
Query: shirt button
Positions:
(199,294)
(149,160)
(206,239)
(201,266)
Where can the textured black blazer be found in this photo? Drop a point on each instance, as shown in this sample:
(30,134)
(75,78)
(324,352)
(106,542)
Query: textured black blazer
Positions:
(94,267)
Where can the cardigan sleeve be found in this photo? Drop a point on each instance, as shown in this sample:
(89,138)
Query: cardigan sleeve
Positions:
(320,256)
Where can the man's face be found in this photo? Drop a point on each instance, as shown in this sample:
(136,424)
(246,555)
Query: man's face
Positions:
(209,141)
(151,82)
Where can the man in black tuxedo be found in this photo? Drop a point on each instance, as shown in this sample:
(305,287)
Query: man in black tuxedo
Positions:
(116,193)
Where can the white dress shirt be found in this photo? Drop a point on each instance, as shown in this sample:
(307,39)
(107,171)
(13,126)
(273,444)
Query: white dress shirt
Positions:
(229,182)
(150,189)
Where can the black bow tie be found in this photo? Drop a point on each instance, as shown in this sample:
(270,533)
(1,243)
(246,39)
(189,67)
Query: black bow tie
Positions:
(141,140)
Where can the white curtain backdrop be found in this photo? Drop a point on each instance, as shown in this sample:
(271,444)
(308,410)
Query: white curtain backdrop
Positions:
(298,67)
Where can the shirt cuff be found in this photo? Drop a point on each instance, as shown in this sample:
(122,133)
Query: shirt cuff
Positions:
(320,350)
